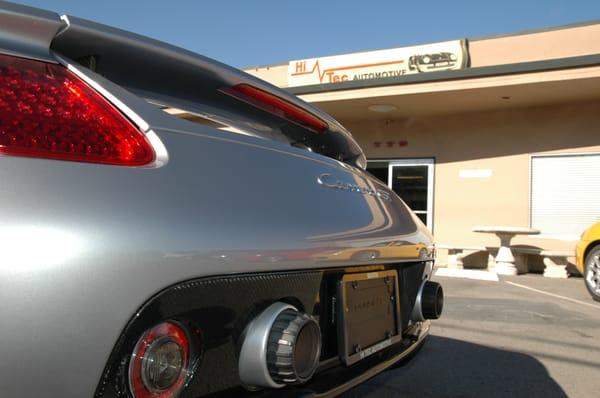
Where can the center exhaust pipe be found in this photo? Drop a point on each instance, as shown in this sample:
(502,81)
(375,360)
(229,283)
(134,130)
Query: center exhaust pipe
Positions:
(429,302)
(281,346)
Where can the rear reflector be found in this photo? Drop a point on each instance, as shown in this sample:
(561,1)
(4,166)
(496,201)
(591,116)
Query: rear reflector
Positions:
(47,112)
(159,365)
(277,106)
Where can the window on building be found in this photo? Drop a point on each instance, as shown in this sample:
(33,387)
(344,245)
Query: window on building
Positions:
(379,169)
(412,180)
(565,194)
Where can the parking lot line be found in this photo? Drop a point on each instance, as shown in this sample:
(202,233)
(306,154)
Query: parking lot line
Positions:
(553,295)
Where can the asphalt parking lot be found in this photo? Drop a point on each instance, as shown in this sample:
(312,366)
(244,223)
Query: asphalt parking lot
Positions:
(524,336)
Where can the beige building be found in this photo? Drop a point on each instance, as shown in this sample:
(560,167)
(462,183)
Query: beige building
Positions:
(493,131)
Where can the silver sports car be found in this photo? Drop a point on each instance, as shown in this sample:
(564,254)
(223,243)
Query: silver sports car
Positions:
(173,227)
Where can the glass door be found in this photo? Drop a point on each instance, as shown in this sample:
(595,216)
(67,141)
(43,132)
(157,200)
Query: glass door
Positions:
(412,180)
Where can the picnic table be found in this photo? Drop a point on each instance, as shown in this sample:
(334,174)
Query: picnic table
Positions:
(505,260)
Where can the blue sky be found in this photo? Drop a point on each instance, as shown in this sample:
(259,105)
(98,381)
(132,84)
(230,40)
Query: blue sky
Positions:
(250,33)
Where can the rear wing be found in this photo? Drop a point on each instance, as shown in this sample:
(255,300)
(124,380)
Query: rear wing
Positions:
(198,88)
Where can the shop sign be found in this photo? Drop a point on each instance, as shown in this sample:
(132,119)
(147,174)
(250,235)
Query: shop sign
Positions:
(395,62)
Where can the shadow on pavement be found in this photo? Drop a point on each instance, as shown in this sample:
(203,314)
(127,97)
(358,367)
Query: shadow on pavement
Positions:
(452,368)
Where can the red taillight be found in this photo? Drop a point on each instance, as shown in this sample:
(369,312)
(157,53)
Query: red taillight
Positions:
(276,105)
(47,112)
(159,366)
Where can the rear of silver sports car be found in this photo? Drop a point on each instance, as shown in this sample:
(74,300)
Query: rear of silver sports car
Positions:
(173,227)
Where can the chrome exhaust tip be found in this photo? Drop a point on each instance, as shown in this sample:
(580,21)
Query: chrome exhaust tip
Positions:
(429,303)
(281,346)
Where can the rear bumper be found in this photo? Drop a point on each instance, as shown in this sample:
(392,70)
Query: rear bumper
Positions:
(335,383)
(219,309)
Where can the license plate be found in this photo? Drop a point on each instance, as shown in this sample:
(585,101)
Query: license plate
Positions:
(369,314)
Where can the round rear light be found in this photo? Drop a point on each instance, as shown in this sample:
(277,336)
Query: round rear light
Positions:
(162,364)
(159,366)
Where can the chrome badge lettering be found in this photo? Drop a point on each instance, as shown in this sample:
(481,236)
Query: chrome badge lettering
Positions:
(329,181)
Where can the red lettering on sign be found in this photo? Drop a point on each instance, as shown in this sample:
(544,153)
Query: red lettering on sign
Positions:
(332,77)
(300,66)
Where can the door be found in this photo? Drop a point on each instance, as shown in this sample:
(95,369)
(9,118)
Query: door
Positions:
(412,180)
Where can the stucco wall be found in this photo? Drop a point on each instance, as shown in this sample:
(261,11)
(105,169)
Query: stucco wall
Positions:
(559,43)
(501,141)
(275,74)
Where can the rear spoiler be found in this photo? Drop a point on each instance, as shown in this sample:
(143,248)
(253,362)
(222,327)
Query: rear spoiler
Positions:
(176,78)
(27,30)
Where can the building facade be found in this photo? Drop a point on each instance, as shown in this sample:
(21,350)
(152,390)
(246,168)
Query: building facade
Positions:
(493,131)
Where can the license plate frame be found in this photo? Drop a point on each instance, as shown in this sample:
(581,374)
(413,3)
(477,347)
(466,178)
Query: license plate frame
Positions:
(372,297)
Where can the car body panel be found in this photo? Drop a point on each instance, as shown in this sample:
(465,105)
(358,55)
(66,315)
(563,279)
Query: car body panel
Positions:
(589,239)
(95,242)
(27,30)
(395,250)
(86,245)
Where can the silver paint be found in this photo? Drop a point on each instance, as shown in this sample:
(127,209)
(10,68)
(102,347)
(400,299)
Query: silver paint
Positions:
(84,246)
(27,31)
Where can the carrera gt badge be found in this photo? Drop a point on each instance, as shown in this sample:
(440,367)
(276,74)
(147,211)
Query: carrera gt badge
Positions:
(327,180)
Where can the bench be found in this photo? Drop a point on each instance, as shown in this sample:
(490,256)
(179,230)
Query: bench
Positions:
(456,253)
(555,261)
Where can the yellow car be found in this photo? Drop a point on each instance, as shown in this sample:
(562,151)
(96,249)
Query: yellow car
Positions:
(587,254)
